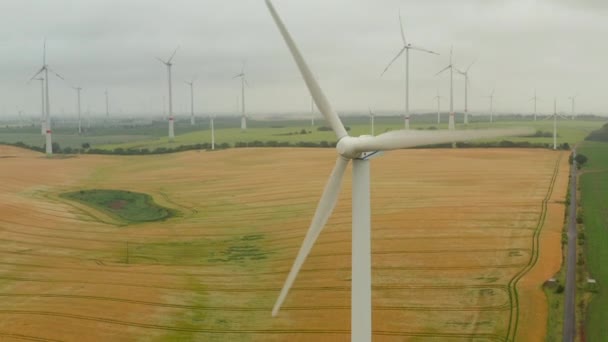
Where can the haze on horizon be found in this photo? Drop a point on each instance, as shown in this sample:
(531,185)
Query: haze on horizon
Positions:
(554,46)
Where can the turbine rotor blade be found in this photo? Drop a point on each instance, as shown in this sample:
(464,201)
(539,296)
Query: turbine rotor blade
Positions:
(160,60)
(563,117)
(56,74)
(548,117)
(172,55)
(393,60)
(36,74)
(313,87)
(324,209)
(402,31)
(444,69)
(407,138)
(423,50)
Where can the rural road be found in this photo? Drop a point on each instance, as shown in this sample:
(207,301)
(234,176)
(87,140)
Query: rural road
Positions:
(570,290)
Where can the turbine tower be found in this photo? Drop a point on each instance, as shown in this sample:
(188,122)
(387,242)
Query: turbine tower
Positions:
(535,98)
(191,84)
(451,125)
(78,89)
(243,83)
(572,100)
(554,116)
(465,73)
(438,98)
(211,118)
(491,97)
(107,105)
(360,150)
(371,120)
(171,119)
(45,69)
(406,48)
(42,118)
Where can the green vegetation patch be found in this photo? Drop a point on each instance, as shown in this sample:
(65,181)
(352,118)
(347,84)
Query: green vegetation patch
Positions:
(132,207)
(594,201)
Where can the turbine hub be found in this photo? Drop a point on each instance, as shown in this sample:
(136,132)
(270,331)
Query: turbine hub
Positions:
(346,147)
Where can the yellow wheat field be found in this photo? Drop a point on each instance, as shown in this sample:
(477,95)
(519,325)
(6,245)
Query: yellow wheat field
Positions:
(454,234)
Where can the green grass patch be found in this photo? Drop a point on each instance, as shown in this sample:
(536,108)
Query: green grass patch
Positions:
(128,206)
(594,201)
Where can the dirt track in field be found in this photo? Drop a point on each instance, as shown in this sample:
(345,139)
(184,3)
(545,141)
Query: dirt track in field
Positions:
(462,241)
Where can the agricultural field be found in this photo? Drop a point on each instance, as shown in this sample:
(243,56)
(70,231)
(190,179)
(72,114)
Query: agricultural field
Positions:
(594,202)
(462,240)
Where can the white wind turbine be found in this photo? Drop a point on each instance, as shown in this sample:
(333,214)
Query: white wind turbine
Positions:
(191,84)
(438,98)
(465,73)
(535,98)
(406,48)
(491,97)
(243,83)
(47,106)
(107,105)
(78,89)
(372,117)
(554,116)
(451,124)
(573,99)
(42,118)
(211,118)
(171,118)
(360,150)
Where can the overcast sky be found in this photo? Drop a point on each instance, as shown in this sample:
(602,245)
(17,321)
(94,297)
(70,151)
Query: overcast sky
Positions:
(555,46)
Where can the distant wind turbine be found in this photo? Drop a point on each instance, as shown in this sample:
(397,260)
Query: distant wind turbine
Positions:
(171,118)
(78,89)
(535,98)
(554,116)
(360,150)
(211,118)
(372,116)
(45,68)
(465,73)
(191,84)
(573,99)
(451,125)
(491,97)
(438,98)
(243,83)
(406,48)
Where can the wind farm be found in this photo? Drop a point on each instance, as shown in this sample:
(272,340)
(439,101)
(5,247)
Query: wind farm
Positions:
(331,202)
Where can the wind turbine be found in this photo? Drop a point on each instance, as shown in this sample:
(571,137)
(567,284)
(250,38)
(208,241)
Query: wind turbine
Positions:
(171,119)
(491,97)
(465,73)
(406,48)
(554,116)
(451,125)
(42,118)
(438,98)
(107,105)
(243,82)
(211,118)
(45,68)
(372,116)
(78,89)
(573,99)
(360,150)
(535,98)
(191,83)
